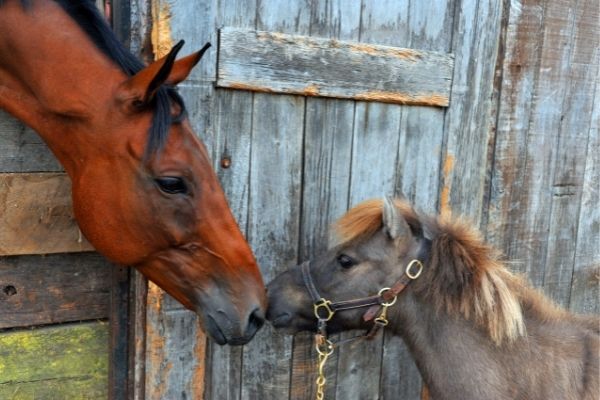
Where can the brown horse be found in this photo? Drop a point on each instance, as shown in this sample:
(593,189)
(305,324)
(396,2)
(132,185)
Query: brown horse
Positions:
(475,330)
(144,192)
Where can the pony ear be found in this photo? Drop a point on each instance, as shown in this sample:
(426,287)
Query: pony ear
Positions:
(140,89)
(394,223)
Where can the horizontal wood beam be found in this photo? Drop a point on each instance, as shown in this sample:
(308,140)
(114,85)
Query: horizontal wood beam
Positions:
(40,290)
(278,63)
(36,215)
(61,362)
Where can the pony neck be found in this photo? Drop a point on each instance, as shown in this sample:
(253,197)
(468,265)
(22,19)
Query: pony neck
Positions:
(54,80)
(448,351)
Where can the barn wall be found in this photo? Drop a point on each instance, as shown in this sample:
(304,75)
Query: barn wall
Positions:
(516,151)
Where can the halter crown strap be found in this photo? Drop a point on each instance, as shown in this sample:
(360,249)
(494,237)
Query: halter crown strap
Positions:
(308,282)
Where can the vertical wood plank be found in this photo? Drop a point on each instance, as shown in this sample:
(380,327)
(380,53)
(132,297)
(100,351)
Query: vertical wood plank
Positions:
(475,38)
(274,211)
(374,159)
(585,286)
(535,183)
(428,27)
(273,226)
(232,143)
(327,156)
(580,66)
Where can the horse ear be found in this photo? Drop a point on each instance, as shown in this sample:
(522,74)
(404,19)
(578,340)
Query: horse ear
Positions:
(140,89)
(393,221)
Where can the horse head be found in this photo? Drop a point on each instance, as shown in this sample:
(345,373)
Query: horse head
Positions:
(377,240)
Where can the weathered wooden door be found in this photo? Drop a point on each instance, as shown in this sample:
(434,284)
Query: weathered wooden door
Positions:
(516,150)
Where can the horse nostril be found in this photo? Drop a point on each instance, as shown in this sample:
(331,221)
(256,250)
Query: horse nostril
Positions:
(255,321)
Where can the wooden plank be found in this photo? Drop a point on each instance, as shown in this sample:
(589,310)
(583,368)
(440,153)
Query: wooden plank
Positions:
(418,170)
(274,204)
(279,63)
(36,290)
(273,228)
(508,186)
(475,39)
(175,350)
(22,150)
(327,156)
(581,71)
(36,216)
(585,286)
(63,362)
(376,136)
(524,185)
(231,157)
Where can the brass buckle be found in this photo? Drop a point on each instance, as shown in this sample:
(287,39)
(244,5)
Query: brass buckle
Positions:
(326,305)
(390,303)
(409,269)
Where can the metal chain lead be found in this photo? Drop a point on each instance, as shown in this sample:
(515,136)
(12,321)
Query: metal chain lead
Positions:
(325,349)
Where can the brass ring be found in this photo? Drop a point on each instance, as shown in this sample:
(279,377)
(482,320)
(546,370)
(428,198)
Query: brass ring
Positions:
(326,349)
(414,275)
(387,304)
(326,305)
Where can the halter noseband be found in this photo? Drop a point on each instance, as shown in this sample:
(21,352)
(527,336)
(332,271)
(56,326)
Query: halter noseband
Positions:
(325,309)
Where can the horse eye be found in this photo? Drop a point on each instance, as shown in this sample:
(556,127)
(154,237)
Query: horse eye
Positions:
(171,184)
(346,261)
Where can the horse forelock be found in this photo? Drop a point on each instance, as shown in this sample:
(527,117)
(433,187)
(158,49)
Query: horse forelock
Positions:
(463,275)
(363,220)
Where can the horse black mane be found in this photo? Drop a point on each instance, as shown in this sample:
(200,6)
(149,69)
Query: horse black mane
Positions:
(89,18)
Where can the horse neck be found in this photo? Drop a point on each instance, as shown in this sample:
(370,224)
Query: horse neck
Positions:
(52,76)
(450,353)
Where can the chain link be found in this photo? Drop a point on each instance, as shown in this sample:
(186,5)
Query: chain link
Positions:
(325,349)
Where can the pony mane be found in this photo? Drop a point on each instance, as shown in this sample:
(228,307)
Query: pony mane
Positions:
(88,17)
(463,275)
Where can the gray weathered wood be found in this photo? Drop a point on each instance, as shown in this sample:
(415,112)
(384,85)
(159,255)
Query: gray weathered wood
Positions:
(418,170)
(327,157)
(580,65)
(36,215)
(273,227)
(376,135)
(232,135)
(278,63)
(475,39)
(38,290)
(585,286)
(274,208)
(542,139)
(22,150)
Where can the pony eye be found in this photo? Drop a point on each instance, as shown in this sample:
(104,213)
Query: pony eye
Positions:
(346,261)
(171,184)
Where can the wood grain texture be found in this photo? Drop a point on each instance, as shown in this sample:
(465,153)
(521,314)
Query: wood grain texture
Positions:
(37,290)
(418,170)
(63,362)
(274,203)
(292,64)
(376,136)
(273,229)
(540,191)
(585,286)
(326,180)
(581,67)
(475,38)
(22,150)
(36,215)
